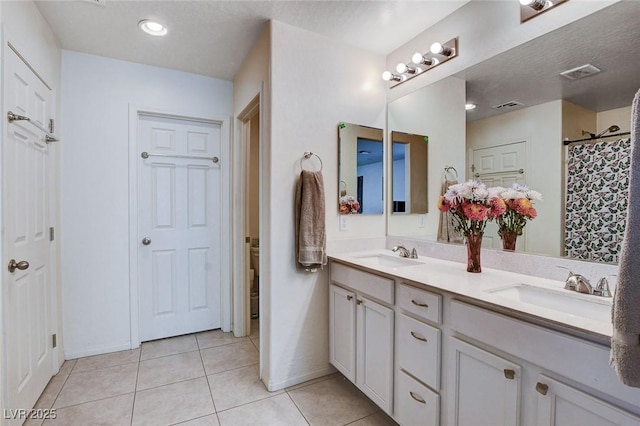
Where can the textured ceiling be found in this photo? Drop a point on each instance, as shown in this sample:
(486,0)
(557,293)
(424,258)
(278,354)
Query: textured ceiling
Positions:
(608,39)
(213,37)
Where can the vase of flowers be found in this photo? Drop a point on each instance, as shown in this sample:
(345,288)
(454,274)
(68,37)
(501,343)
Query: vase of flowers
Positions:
(519,209)
(349,205)
(472,205)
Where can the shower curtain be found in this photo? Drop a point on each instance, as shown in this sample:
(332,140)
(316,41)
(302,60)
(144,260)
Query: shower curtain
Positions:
(597,200)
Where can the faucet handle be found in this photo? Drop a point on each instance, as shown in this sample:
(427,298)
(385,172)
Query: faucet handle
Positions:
(414,253)
(602,288)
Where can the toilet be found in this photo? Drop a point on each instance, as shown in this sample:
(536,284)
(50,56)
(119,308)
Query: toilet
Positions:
(255,260)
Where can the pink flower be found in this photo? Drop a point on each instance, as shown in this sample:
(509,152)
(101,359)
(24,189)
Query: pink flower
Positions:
(498,207)
(532,213)
(522,206)
(475,211)
(443,204)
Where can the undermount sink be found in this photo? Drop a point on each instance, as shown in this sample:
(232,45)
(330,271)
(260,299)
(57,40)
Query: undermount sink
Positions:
(388,260)
(581,305)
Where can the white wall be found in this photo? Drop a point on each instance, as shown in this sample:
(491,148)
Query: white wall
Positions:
(436,111)
(544,146)
(618,116)
(96,94)
(342,84)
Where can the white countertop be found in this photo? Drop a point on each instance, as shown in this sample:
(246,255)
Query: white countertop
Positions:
(452,277)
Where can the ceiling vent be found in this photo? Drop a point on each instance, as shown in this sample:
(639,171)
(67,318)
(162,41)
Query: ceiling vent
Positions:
(580,72)
(507,105)
(97,2)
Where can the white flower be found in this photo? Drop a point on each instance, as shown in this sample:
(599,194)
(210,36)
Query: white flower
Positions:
(496,191)
(512,194)
(534,195)
(453,194)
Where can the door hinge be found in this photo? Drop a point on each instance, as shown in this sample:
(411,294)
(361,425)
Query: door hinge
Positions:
(54,340)
(51,126)
(52,233)
(247,240)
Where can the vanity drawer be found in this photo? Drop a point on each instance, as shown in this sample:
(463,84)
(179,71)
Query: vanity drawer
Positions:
(363,282)
(422,303)
(419,350)
(415,403)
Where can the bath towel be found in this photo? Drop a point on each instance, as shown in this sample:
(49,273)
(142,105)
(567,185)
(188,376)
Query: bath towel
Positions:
(625,342)
(310,222)
(446,231)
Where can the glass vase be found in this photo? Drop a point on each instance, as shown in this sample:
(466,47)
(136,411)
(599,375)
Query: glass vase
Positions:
(508,240)
(474,245)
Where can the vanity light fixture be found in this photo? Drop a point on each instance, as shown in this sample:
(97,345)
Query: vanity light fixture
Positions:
(153,28)
(439,54)
(532,8)
(469,107)
(389,76)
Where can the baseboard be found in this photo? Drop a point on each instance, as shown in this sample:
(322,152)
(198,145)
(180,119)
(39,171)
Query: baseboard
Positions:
(292,381)
(96,351)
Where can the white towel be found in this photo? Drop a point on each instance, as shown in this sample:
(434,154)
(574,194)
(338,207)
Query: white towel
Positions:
(310,222)
(625,342)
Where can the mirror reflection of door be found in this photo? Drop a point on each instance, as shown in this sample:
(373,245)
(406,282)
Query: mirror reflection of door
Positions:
(409,173)
(361,180)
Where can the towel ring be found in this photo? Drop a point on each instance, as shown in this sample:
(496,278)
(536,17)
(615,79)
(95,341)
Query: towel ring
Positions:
(308,155)
(447,169)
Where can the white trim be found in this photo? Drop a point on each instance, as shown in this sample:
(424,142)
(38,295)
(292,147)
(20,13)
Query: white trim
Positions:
(225,241)
(96,350)
(292,381)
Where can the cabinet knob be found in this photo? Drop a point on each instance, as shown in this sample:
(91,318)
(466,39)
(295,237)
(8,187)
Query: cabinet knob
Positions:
(418,337)
(358,302)
(349,297)
(417,397)
(542,388)
(422,305)
(509,374)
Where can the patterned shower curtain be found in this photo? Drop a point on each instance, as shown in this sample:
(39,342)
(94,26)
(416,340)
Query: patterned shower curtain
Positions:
(597,200)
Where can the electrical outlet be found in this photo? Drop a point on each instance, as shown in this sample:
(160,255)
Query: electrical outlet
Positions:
(344,225)
(421,221)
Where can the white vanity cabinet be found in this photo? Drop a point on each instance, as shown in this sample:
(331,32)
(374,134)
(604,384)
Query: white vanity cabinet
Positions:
(361,331)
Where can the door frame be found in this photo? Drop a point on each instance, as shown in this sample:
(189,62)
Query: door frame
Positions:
(225,235)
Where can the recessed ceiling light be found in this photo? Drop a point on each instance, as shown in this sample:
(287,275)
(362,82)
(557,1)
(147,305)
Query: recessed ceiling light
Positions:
(469,107)
(363,152)
(152,27)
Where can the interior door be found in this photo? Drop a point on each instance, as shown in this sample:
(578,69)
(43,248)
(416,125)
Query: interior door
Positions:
(179,238)
(501,165)
(26,293)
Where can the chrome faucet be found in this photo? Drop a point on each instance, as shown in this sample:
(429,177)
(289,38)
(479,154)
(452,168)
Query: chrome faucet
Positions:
(404,252)
(581,284)
(602,288)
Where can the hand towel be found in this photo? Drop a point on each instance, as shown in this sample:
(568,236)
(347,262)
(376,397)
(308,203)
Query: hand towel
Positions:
(446,231)
(625,342)
(310,222)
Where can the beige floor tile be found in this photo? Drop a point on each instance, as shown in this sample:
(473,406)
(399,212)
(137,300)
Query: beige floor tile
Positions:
(51,392)
(107,360)
(332,402)
(255,328)
(66,367)
(211,420)
(274,411)
(312,382)
(169,369)
(97,384)
(110,411)
(227,357)
(378,419)
(173,403)
(170,346)
(237,387)
(256,342)
(213,338)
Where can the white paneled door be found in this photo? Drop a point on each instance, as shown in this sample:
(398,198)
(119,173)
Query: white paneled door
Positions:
(179,216)
(27,300)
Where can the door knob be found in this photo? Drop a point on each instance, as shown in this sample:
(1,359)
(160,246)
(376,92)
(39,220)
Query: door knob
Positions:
(13,265)
(146,241)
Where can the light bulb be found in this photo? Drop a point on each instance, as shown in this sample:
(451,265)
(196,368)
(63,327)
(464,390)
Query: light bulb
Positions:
(436,48)
(417,58)
(401,68)
(386,76)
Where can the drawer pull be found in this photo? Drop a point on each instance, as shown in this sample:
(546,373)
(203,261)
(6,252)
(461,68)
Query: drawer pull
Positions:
(509,374)
(358,302)
(422,305)
(349,297)
(418,337)
(417,397)
(542,388)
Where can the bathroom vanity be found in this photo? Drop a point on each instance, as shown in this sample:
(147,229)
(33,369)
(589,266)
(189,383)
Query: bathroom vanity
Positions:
(432,344)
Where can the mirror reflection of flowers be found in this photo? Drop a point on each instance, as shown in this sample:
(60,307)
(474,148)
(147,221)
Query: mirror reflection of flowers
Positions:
(349,205)
(518,199)
(472,205)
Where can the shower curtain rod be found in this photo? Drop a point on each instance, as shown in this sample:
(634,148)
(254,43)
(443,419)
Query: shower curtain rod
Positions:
(567,142)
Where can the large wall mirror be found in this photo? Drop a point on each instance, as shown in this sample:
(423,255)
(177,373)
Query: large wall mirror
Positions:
(526,109)
(409,175)
(361,179)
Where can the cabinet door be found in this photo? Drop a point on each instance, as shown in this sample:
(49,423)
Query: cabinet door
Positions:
(486,388)
(415,403)
(342,331)
(375,352)
(560,404)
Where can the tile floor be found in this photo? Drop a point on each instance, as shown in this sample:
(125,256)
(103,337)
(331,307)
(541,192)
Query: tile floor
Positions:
(208,378)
